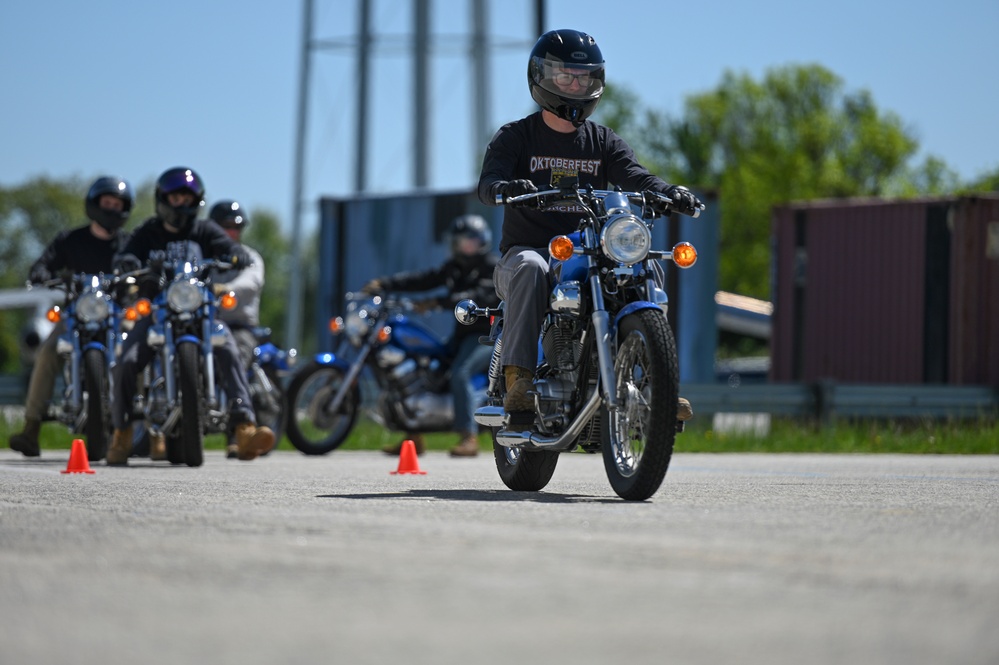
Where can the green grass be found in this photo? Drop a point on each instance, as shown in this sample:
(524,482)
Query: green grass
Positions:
(968,437)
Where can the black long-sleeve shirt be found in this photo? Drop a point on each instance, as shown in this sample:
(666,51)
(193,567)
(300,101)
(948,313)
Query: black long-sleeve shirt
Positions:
(531,150)
(81,252)
(469,278)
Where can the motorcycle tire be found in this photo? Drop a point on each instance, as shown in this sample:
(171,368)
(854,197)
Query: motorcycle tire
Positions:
(524,470)
(95,382)
(189,384)
(312,429)
(637,439)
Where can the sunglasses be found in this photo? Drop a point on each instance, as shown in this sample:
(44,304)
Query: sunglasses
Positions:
(565,79)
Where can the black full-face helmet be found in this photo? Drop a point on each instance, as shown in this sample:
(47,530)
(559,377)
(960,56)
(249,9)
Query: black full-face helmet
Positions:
(566,74)
(229,215)
(178,179)
(111,220)
(472,227)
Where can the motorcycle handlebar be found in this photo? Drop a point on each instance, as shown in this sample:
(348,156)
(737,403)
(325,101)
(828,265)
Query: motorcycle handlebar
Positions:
(657,203)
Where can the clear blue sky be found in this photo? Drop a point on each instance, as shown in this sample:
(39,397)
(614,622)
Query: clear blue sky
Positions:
(134,87)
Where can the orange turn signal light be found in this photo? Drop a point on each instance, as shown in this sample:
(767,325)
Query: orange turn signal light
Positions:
(385,334)
(560,248)
(228,301)
(143,307)
(336,325)
(131,314)
(53,315)
(684,254)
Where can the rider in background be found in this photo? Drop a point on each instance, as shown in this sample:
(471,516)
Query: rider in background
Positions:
(566,78)
(468,273)
(247,284)
(88,249)
(180,194)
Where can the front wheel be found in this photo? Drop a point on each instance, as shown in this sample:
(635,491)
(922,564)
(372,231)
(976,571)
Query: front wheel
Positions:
(95,380)
(189,380)
(314,427)
(637,438)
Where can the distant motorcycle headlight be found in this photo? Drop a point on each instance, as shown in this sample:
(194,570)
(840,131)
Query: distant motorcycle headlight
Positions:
(184,296)
(92,307)
(626,239)
(356,326)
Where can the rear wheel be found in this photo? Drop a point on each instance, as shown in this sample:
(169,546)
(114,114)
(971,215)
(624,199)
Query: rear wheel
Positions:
(637,438)
(189,383)
(95,382)
(524,470)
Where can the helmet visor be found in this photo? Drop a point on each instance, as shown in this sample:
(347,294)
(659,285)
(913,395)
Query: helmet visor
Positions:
(179,179)
(570,81)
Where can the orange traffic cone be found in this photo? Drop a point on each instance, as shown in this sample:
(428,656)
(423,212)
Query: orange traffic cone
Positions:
(407,459)
(78,462)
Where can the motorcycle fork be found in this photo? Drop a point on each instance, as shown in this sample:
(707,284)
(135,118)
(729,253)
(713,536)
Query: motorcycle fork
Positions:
(207,355)
(603,338)
(349,379)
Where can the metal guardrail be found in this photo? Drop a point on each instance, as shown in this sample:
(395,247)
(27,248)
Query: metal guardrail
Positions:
(828,400)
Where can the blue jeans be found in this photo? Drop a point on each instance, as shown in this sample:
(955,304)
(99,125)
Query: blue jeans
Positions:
(472,358)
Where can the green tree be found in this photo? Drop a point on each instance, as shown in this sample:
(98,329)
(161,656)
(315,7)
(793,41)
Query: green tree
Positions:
(795,135)
(264,235)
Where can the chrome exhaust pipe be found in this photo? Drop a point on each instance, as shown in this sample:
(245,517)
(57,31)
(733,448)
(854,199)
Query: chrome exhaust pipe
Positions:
(529,440)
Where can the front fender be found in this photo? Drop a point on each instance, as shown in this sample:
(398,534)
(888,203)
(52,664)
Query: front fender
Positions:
(633,307)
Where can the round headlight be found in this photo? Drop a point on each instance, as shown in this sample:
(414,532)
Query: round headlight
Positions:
(356,325)
(184,296)
(626,239)
(92,307)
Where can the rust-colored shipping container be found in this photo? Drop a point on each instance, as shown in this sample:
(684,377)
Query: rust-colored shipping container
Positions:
(885,291)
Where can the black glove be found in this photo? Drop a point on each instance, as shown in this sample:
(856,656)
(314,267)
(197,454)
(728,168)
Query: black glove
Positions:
(127,263)
(39,274)
(684,202)
(157,258)
(240,258)
(517,188)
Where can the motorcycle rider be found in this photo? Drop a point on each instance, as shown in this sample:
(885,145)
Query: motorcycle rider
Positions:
(247,284)
(88,249)
(468,273)
(180,194)
(565,75)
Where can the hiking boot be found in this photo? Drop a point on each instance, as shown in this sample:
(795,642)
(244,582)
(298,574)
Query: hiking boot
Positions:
(121,447)
(683,410)
(519,381)
(468,446)
(26,441)
(157,446)
(231,450)
(253,441)
(418,443)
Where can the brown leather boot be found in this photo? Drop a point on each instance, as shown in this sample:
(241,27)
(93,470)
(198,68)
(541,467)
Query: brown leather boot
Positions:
(683,410)
(26,441)
(121,447)
(468,446)
(157,446)
(418,443)
(519,381)
(253,441)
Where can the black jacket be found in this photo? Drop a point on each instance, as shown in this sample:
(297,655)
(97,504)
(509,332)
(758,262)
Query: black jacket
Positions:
(468,278)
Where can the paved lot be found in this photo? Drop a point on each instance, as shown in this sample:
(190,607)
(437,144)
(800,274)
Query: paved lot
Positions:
(738,559)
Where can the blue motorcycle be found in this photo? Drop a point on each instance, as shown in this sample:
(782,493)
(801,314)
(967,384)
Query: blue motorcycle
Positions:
(382,347)
(92,320)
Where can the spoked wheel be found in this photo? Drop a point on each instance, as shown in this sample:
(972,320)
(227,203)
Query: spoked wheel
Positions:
(637,438)
(314,426)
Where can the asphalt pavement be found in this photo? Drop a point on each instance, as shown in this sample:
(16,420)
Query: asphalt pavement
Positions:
(291,559)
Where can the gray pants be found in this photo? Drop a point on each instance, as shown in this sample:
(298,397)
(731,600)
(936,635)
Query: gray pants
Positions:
(43,375)
(523,282)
